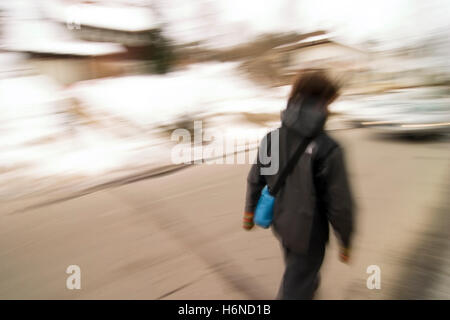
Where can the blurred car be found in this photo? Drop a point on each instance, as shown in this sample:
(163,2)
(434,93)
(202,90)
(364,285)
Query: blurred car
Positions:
(414,118)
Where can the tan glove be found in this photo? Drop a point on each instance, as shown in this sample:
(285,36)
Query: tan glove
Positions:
(248,223)
(344,254)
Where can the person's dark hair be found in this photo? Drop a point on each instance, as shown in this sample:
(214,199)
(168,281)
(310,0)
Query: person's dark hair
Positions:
(315,84)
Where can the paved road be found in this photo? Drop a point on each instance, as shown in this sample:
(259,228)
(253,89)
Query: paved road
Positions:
(179,236)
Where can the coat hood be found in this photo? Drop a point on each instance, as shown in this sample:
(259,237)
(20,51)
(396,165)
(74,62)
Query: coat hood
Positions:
(304,116)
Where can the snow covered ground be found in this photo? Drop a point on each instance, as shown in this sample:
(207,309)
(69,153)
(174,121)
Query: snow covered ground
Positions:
(202,89)
(118,123)
(103,129)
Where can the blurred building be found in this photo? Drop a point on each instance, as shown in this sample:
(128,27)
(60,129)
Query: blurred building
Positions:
(80,40)
(136,28)
(321,51)
(51,49)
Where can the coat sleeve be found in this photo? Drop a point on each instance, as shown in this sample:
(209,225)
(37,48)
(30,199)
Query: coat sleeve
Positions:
(255,184)
(338,198)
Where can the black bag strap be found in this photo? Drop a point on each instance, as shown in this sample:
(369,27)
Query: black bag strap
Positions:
(311,121)
(304,142)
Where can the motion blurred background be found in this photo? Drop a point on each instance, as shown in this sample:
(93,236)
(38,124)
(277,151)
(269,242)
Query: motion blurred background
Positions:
(91,91)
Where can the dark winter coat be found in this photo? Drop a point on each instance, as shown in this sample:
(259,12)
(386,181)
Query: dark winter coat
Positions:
(316,191)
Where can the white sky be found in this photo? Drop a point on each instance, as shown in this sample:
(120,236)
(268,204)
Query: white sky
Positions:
(227,22)
(353,20)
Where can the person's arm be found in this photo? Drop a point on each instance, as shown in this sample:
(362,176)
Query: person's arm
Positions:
(255,184)
(339,200)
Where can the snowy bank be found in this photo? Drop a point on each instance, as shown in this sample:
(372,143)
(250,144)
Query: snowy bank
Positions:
(202,89)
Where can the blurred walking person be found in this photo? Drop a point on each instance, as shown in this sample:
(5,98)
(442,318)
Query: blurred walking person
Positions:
(315,192)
